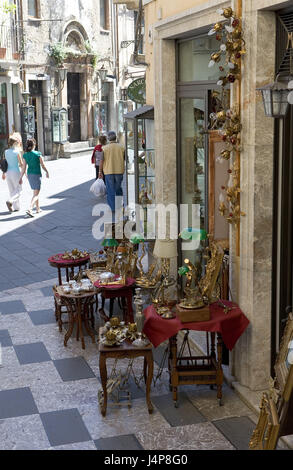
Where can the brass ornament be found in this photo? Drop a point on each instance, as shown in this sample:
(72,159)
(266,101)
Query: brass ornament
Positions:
(218,27)
(228,12)
(216,57)
(230,33)
(231,208)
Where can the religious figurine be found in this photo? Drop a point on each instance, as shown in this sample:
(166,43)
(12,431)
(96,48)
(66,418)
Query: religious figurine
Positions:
(193,298)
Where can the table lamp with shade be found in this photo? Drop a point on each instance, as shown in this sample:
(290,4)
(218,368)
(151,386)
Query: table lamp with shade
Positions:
(165,250)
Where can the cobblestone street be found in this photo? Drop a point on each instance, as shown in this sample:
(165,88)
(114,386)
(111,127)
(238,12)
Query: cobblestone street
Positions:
(48,393)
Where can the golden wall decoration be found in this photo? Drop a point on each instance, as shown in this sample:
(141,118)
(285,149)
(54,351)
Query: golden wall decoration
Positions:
(229,33)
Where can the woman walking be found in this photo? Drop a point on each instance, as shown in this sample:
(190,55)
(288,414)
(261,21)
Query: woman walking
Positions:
(14,160)
(33,162)
(97,155)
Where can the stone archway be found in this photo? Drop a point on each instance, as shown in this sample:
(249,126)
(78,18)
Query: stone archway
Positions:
(75,37)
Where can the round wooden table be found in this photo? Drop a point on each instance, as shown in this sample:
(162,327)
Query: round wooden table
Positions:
(78,308)
(69,266)
(123,292)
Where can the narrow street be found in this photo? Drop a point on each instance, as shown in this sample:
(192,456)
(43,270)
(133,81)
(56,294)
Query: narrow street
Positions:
(48,393)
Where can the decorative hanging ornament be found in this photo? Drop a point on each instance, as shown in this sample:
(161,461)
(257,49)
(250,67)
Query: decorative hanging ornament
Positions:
(230,29)
(228,121)
(237,33)
(218,27)
(216,57)
(227,12)
(226,154)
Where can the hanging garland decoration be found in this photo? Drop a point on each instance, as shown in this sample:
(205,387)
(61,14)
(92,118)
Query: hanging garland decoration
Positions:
(228,122)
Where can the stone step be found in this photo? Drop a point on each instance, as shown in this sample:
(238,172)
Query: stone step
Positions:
(77,152)
(76,145)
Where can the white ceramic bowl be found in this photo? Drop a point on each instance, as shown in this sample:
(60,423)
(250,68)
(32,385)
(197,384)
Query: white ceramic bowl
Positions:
(106,276)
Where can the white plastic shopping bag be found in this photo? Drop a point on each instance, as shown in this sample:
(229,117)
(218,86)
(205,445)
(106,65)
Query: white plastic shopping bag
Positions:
(98,188)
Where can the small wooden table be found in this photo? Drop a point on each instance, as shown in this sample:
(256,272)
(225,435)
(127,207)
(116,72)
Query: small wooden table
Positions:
(187,369)
(126,350)
(196,370)
(68,265)
(78,308)
(125,293)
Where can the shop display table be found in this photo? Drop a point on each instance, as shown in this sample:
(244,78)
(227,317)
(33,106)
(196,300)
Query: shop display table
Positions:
(185,370)
(123,292)
(126,350)
(78,309)
(69,266)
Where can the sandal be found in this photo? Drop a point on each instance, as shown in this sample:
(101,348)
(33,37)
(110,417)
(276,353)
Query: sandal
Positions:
(9,206)
(29,213)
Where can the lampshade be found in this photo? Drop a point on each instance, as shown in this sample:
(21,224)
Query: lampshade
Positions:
(193,234)
(165,249)
(136,239)
(110,242)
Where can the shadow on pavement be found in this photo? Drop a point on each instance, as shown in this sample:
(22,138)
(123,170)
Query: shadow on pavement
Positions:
(25,250)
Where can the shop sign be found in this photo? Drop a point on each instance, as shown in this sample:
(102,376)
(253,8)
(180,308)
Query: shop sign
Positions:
(137,91)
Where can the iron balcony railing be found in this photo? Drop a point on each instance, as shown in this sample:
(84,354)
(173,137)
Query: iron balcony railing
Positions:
(11,40)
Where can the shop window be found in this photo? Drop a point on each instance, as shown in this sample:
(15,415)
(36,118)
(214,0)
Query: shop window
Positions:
(33,8)
(100,111)
(104,14)
(194,57)
(199,172)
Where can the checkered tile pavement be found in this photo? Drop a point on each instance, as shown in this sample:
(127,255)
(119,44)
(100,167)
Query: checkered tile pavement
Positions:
(48,393)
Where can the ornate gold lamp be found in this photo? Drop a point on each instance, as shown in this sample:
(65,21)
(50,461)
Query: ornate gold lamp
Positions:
(193,297)
(165,250)
(143,279)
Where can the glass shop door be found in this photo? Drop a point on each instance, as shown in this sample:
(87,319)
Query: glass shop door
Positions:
(193,158)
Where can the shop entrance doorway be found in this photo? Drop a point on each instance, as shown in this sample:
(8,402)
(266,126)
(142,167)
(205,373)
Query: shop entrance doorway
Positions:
(73,99)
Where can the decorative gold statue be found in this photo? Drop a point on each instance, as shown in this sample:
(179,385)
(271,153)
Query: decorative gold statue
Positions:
(199,292)
(193,298)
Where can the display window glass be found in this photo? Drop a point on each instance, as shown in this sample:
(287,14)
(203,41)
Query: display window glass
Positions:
(194,56)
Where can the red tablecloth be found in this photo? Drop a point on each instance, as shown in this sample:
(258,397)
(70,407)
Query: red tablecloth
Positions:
(57,259)
(231,325)
(129,282)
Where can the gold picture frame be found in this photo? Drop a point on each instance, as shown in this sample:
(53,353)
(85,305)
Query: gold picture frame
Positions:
(266,434)
(283,369)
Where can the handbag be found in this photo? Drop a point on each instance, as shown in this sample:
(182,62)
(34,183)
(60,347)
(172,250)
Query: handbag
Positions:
(3,164)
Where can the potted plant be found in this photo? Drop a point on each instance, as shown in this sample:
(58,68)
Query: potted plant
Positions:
(93,56)
(5,9)
(58,52)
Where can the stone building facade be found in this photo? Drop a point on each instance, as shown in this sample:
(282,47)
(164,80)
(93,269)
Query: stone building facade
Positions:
(62,46)
(178,51)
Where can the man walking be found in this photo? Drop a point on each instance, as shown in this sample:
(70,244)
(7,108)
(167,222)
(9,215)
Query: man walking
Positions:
(112,165)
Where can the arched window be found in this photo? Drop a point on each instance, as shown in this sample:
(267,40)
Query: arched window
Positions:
(75,42)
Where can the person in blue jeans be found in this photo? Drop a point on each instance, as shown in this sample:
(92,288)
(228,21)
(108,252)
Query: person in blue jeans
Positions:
(112,164)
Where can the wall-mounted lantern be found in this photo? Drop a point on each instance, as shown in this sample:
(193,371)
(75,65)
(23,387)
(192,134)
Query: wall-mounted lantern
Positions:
(275,98)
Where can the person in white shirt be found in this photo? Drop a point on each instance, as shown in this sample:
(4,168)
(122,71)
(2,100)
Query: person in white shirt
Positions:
(12,175)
